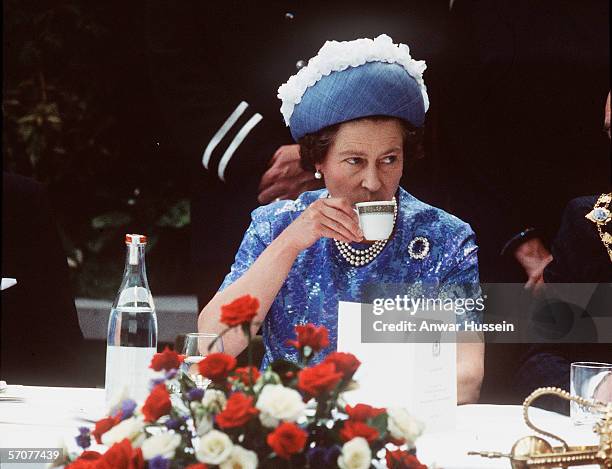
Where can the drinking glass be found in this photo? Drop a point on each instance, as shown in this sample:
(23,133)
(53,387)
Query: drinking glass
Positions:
(585,377)
(196,347)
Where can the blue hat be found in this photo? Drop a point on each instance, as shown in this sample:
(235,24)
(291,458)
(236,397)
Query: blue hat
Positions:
(355,79)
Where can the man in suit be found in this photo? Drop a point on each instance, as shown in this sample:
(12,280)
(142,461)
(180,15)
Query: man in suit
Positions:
(579,256)
(582,253)
(41,338)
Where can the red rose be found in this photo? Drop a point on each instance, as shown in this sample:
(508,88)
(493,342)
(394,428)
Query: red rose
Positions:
(352,428)
(399,459)
(345,363)
(167,360)
(138,461)
(157,404)
(90,455)
(287,439)
(86,460)
(242,374)
(318,379)
(217,366)
(396,441)
(104,425)
(197,466)
(240,311)
(121,456)
(310,335)
(238,411)
(363,412)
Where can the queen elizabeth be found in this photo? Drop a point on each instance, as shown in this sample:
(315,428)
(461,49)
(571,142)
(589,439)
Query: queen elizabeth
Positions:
(357,111)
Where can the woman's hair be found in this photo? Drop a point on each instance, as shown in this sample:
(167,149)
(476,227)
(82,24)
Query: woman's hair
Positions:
(314,146)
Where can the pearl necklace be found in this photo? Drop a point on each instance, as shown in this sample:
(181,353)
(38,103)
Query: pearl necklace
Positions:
(359,257)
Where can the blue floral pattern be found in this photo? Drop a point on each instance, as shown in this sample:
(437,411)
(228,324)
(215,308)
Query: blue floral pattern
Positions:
(320,277)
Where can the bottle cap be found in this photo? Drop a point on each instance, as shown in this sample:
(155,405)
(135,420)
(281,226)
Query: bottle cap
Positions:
(135,238)
(133,241)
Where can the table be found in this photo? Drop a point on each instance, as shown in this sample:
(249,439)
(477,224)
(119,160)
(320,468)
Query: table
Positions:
(49,417)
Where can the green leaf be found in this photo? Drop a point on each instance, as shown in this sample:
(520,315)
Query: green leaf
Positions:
(113,219)
(27,119)
(178,216)
(54,120)
(26,132)
(380,423)
(282,367)
(98,243)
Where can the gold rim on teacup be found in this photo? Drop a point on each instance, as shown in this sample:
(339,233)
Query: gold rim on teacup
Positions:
(383,206)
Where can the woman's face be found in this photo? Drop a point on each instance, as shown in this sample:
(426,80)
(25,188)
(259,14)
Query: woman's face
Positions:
(365,160)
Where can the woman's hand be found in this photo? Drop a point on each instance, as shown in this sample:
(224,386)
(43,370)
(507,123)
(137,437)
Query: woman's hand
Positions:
(330,218)
(333,218)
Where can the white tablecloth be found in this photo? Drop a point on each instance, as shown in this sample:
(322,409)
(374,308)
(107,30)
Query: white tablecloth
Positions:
(49,417)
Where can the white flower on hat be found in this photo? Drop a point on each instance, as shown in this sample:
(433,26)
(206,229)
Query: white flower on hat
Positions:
(356,454)
(336,56)
(276,403)
(163,445)
(131,429)
(403,426)
(240,458)
(214,447)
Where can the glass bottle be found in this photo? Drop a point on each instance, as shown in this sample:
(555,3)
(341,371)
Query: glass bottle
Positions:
(132,329)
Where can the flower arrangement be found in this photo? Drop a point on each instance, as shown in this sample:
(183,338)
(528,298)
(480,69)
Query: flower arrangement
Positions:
(291,415)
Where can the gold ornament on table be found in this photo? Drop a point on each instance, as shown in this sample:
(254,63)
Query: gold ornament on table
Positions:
(533,452)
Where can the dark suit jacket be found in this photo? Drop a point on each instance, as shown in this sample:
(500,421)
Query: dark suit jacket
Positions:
(578,252)
(579,257)
(41,338)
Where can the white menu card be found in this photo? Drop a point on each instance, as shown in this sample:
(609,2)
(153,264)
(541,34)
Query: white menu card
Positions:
(421,377)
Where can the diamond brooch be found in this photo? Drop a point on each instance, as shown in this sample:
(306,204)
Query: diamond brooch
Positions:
(418,248)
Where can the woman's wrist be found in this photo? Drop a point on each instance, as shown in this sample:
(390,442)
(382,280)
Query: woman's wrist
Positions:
(287,244)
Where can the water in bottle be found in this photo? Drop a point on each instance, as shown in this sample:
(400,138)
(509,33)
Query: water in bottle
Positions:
(132,329)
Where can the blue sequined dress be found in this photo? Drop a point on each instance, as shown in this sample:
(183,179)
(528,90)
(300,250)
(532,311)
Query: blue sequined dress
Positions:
(320,277)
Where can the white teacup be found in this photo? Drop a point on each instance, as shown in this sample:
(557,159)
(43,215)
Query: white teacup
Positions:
(376,219)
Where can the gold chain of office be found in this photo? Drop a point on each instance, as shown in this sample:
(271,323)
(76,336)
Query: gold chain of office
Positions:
(601,216)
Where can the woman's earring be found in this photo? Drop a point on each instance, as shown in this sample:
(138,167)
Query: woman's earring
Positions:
(318,174)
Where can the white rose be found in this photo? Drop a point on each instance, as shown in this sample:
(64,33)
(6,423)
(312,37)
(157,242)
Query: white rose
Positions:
(130,428)
(276,403)
(164,445)
(214,400)
(403,426)
(240,459)
(214,448)
(356,454)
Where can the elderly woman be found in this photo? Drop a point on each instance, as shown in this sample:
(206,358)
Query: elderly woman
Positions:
(357,112)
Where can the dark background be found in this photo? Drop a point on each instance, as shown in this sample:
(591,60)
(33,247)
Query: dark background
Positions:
(80,117)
